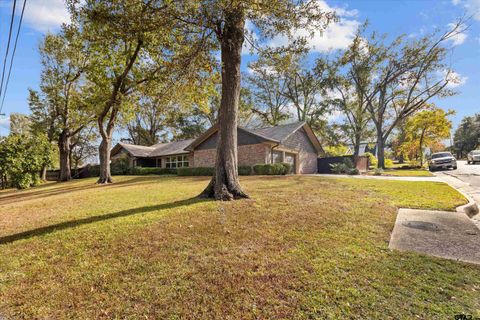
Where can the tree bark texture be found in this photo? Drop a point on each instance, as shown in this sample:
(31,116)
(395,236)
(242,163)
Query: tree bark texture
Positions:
(104,157)
(225,184)
(64,147)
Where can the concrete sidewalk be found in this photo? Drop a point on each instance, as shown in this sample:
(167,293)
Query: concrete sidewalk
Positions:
(450,235)
(471,192)
(431,179)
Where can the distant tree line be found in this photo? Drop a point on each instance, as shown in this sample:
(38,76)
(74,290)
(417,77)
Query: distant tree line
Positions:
(467,136)
(162,70)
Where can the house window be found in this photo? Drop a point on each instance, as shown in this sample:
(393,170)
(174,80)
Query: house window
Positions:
(177,162)
(277,156)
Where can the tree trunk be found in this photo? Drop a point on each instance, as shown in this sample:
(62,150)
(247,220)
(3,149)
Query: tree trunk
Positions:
(43,173)
(380,150)
(421,147)
(104,155)
(356,146)
(225,184)
(64,147)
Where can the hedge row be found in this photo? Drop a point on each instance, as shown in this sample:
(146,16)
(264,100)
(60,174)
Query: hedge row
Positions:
(142,171)
(208,171)
(272,169)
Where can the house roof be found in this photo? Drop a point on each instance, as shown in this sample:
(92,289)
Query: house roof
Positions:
(135,150)
(277,134)
(157,150)
(170,148)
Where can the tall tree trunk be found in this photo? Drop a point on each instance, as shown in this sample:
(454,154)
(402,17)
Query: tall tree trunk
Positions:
(225,184)
(104,155)
(380,149)
(421,147)
(356,145)
(64,147)
(43,173)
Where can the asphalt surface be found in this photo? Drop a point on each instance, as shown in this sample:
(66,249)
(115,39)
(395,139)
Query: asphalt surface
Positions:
(468,173)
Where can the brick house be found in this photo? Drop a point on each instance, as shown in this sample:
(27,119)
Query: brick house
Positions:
(293,143)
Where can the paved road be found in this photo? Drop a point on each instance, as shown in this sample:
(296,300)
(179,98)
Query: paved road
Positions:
(469,173)
(466,179)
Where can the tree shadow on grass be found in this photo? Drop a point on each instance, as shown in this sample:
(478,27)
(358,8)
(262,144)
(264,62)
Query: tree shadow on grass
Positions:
(75,223)
(62,188)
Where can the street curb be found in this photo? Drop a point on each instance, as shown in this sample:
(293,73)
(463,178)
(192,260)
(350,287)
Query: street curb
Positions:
(471,208)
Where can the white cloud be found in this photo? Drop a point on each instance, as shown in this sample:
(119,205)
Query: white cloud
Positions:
(471,6)
(5,122)
(46,15)
(338,35)
(456,79)
(458,38)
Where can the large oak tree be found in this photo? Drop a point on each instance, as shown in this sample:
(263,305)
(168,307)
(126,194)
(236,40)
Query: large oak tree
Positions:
(131,43)
(225,21)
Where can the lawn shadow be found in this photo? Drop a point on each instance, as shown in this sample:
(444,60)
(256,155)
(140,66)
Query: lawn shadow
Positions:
(62,188)
(75,223)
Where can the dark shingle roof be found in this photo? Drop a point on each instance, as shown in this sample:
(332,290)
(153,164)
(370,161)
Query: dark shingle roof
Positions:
(137,151)
(157,150)
(278,133)
(169,148)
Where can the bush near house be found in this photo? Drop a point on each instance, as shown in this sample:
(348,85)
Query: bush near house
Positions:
(345,167)
(120,166)
(209,171)
(272,169)
(196,171)
(372,160)
(141,171)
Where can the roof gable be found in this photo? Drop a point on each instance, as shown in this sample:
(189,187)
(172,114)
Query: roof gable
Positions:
(276,134)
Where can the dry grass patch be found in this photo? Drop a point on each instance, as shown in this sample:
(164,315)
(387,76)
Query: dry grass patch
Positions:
(304,248)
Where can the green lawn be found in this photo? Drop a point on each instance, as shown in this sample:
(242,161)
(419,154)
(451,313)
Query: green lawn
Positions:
(405,173)
(302,248)
(408,173)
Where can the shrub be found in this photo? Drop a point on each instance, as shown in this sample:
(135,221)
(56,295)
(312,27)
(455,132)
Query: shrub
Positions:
(244,170)
(353,171)
(141,171)
(378,171)
(372,160)
(345,167)
(120,166)
(271,169)
(338,168)
(94,171)
(198,171)
(209,171)
(388,163)
(21,181)
(287,167)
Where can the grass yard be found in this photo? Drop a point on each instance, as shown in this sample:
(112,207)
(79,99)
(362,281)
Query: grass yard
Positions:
(405,173)
(145,248)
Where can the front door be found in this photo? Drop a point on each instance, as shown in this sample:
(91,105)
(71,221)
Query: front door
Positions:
(291,158)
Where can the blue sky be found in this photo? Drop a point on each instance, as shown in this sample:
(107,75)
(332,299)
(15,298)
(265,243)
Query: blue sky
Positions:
(394,17)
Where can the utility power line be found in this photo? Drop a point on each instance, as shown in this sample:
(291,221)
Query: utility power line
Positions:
(8,46)
(13,55)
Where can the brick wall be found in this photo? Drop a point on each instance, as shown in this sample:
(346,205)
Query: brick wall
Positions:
(248,155)
(307,156)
